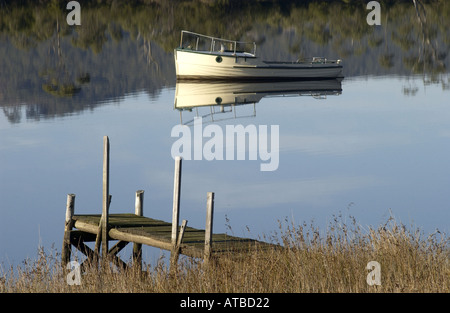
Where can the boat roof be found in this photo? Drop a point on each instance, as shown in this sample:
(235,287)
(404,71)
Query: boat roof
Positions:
(209,44)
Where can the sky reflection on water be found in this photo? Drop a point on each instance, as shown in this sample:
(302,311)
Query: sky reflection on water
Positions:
(367,152)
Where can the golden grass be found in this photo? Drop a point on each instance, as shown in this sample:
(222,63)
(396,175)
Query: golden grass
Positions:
(307,262)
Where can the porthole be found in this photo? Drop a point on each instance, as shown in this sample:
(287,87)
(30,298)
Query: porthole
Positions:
(218,100)
(218,59)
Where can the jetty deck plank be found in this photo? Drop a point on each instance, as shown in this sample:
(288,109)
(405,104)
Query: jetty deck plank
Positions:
(158,233)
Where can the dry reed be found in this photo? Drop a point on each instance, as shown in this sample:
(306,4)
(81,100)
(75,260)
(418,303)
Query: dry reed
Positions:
(302,260)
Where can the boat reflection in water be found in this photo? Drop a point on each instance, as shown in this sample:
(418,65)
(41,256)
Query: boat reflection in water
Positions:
(222,98)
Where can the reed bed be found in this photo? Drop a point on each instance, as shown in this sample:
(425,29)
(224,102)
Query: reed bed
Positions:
(302,260)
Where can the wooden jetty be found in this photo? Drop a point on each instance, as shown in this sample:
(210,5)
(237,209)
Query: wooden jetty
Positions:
(140,230)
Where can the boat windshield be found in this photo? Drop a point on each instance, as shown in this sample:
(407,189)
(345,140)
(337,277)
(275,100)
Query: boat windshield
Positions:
(198,42)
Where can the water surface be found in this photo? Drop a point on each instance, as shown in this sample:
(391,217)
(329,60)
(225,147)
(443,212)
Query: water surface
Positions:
(377,146)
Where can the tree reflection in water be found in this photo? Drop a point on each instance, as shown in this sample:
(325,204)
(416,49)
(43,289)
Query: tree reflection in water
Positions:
(123,47)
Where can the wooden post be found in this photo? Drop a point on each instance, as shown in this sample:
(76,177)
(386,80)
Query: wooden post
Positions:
(176,200)
(139,211)
(139,203)
(209,226)
(98,238)
(105,206)
(66,248)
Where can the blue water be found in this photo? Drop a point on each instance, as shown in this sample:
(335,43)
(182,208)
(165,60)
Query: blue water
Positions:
(369,152)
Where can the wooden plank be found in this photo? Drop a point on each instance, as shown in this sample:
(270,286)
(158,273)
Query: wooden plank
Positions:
(122,220)
(209,226)
(181,234)
(117,247)
(78,236)
(146,240)
(176,200)
(80,245)
(117,234)
(105,206)
(86,226)
(176,250)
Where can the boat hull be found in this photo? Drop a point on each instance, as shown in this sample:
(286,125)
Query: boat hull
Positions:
(217,66)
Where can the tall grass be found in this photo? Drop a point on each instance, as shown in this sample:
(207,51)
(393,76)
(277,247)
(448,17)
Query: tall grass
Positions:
(302,260)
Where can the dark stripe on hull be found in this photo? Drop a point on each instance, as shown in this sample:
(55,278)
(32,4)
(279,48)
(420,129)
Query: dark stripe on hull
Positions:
(250,78)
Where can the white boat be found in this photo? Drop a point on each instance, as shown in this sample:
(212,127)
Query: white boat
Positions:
(206,57)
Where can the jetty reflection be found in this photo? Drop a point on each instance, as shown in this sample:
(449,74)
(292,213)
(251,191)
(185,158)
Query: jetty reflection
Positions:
(222,98)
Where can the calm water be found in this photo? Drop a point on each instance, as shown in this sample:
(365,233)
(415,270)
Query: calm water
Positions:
(378,146)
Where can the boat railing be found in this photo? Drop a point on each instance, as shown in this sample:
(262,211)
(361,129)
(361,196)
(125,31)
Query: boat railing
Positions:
(199,42)
(317,60)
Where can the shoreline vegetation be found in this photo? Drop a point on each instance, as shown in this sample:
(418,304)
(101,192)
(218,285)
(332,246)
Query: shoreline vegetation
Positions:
(311,261)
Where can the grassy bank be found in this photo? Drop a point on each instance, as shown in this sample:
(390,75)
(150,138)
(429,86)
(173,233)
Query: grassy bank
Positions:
(311,261)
